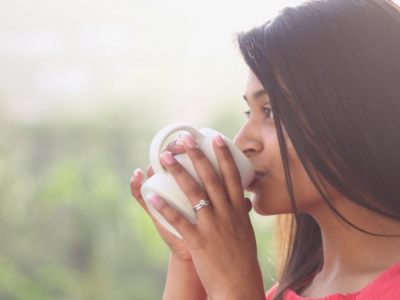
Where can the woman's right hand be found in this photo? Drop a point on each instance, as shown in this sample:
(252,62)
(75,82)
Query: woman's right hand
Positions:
(177,246)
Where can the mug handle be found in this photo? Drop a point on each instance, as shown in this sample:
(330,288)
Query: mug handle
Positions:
(159,139)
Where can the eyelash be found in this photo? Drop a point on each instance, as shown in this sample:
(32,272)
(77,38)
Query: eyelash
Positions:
(268,111)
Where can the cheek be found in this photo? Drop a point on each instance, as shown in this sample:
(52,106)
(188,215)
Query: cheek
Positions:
(273,195)
(305,193)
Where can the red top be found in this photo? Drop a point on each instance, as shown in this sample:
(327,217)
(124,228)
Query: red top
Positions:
(385,287)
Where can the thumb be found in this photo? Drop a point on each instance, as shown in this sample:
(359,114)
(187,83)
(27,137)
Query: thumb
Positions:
(249,206)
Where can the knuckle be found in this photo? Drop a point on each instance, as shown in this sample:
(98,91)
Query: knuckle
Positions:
(194,190)
(174,218)
(236,177)
(226,154)
(176,168)
(198,154)
(211,178)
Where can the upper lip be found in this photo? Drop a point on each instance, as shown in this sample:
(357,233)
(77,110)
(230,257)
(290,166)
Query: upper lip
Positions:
(259,174)
(257,177)
(254,183)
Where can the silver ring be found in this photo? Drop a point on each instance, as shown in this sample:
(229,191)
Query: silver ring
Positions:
(201,204)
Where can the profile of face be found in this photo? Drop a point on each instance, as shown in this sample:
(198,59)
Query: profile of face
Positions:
(259,142)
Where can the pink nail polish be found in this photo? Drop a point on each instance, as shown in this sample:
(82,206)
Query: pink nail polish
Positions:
(181,138)
(168,158)
(154,199)
(219,140)
(190,141)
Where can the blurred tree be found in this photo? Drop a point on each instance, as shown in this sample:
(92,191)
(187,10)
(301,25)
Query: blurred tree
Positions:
(68,225)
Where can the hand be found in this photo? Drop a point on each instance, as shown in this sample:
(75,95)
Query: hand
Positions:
(222,241)
(177,246)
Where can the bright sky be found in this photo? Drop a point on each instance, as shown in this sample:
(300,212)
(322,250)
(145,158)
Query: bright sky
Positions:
(173,59)
(71,57)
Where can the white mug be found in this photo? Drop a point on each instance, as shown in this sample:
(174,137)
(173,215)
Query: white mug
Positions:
(164,185)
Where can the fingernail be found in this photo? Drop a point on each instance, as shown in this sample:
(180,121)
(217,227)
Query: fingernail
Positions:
(219,140)
(181,136)
(154,200)
(179,142)
(136,172)
(168,158)
(190,141)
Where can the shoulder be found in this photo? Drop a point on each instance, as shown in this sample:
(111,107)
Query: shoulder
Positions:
(386,286)
(271,293)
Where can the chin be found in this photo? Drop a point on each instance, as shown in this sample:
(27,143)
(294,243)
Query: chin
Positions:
(259,211)
(258,205)
(268,208)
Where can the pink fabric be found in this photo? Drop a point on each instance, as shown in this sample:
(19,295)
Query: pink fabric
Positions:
(385,287)
(271,292)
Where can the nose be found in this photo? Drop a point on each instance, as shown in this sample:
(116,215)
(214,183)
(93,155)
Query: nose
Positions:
(248,140)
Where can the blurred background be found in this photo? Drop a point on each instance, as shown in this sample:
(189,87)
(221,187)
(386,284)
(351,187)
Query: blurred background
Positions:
(84,86)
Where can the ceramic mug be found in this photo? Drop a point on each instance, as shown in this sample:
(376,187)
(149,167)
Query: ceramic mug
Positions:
(164,185)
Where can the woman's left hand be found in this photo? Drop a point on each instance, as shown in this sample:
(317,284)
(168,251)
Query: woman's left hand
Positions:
(222,241)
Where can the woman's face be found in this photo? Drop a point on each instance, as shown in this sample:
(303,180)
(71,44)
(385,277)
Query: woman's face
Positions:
(258,140)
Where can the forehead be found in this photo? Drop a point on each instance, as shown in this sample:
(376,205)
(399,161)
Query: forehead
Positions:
(253,84)
(255,91)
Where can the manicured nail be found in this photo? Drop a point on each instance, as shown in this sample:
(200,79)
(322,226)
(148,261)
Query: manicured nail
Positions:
(154,200)
(136,172)
(219,140)
(168,158)
(181,138)
(180,142)
(190,141)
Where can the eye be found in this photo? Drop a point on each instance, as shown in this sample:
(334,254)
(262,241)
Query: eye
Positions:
(268,112)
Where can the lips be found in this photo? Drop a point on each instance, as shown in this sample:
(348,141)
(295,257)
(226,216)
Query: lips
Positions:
(254,183)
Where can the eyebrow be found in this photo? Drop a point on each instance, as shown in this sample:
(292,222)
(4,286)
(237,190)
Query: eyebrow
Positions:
(257,95)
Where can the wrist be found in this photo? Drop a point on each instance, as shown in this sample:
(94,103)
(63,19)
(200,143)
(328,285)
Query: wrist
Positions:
(249,286)
(176,257)
(183,281)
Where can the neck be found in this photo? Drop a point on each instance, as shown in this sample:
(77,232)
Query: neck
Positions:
(353,259)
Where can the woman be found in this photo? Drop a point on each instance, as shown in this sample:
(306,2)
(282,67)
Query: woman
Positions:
(323,134)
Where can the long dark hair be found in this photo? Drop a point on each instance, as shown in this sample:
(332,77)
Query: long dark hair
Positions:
(332,72)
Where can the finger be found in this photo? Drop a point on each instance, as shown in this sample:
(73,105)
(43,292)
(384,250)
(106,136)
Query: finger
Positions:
(190,187)
(175,146)
(249,205)
(230,172)
(136,185)
(173,217)
(207,173)
(150,171)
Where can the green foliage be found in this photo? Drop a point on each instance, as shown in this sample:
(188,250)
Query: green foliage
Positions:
(68,224)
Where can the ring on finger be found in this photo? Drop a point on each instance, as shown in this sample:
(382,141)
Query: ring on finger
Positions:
(201,204)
